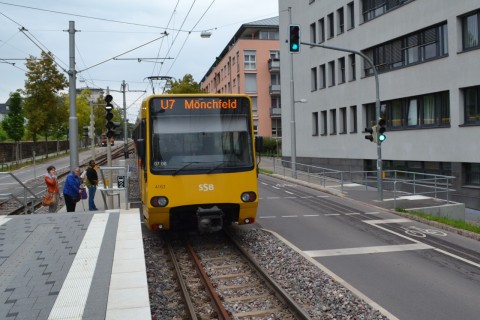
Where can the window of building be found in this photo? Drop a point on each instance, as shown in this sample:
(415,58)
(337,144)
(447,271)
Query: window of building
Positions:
(268,35)
(370,118)
(414,48)
(429,110)
(314,79)
(274,54)
(471,31)
(250,60)
(321,30)
(341,70)
(353,119)
(255,126)
(276,128)
(314,123)
(340,21)
(324,123)
(333,121)
(472,173)
(343,120)
(471,97)
(250,82)
(331,30)
(313,33)
(275,79)
(331,73)
(323,77)
(353,72)
(254,105)
(350,16)
(374,8)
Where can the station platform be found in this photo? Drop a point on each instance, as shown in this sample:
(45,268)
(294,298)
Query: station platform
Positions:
(73,265)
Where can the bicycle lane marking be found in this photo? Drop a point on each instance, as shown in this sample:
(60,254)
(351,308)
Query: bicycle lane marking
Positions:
(378,223)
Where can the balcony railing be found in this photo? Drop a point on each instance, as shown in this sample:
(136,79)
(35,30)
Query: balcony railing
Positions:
(274,89)
(274,65)
(275,112)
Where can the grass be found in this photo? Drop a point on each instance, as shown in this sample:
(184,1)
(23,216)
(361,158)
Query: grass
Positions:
(459,224)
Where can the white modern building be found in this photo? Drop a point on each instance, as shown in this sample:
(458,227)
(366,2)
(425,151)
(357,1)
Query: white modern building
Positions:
(427,53)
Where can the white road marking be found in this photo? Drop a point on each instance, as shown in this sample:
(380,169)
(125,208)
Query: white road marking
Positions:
(290,198)
(295,216)
(376,223)
(352,213)
(288,192)
(276,187)
(267,217)
(307,197)
(331,214)
(367,250)
(312,215)
(273,197)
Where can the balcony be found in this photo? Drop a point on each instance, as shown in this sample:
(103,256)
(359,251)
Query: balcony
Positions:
(274,89)
(275,113)
(274,65)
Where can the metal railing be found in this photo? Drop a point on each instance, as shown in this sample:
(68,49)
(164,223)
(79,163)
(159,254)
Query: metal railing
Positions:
(26,196)
(396,181)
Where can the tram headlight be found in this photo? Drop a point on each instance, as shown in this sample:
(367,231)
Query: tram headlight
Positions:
(248,196)
(159,201)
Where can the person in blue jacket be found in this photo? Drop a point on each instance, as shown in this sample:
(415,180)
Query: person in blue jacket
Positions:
(71,190)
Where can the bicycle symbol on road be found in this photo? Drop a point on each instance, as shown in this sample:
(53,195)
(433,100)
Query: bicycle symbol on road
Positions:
(422,233)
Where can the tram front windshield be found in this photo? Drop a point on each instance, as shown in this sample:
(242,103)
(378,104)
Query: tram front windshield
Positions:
(200,143)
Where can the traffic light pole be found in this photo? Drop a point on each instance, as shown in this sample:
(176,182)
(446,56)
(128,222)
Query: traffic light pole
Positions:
(377,108)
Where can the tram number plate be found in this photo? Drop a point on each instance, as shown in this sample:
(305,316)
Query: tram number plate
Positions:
(121,181)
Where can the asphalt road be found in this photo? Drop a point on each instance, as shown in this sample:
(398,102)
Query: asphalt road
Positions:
(411,270)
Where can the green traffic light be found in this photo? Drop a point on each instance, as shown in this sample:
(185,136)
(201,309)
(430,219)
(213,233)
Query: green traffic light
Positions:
(382,138)
(295,47)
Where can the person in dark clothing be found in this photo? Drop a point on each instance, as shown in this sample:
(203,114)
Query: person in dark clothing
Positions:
(71,190)
(91,182)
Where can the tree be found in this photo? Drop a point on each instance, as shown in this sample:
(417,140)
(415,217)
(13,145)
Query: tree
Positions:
(186,85)
(13,124)
(42,105)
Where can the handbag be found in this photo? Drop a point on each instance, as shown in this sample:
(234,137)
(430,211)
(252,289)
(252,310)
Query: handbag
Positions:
(83,193)
(48,199)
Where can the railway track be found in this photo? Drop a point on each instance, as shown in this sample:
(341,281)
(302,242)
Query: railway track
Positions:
(14,205)
(219,280)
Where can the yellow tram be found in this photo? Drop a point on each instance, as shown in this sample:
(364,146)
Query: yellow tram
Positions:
(197,167)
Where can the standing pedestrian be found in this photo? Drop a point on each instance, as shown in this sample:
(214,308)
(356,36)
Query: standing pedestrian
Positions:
(52,187)
(71,190)
(91,182)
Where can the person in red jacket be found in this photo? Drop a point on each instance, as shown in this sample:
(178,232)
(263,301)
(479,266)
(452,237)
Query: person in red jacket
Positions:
(52,187)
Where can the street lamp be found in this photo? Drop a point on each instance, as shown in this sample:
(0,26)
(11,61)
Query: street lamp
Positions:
(293,137)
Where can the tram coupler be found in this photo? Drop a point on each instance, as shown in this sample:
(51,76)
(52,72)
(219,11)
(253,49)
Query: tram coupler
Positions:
(210,219)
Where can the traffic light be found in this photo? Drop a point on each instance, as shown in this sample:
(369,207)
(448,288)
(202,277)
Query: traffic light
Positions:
(85,131)
(109,117)
(381,131)
(372,136)
(294,42)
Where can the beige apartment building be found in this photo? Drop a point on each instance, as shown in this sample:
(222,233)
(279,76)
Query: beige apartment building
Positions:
(250,64)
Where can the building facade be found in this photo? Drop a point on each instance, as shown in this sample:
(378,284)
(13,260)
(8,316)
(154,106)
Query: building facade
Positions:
(250,64)
(427,54)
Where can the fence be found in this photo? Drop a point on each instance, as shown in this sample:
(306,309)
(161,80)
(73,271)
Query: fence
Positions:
(396,181)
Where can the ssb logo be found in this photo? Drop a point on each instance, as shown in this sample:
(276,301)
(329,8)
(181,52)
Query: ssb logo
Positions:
(205,187)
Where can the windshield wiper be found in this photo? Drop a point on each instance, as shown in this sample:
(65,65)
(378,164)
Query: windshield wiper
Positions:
(217,166)
(184,166)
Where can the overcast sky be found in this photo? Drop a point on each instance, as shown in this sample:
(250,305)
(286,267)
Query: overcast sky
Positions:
(109,29)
